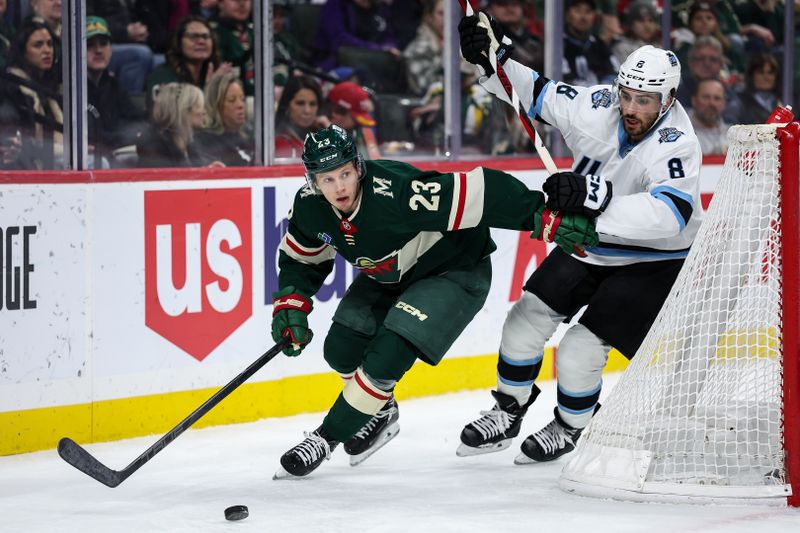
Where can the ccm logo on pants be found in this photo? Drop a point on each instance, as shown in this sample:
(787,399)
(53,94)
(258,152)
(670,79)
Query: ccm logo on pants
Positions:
(413,311)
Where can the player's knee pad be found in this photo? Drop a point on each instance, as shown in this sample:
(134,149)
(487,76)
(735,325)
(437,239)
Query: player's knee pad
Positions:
(365,395)
(388,357)
(528,326)
(344,349)
(581,358)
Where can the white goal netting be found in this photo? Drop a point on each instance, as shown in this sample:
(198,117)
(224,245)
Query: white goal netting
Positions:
(697,415)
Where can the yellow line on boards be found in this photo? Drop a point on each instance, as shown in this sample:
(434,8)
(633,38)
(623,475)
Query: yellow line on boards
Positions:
(40,429)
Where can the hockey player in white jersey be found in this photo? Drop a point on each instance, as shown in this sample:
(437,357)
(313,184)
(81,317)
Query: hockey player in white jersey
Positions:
(637,163)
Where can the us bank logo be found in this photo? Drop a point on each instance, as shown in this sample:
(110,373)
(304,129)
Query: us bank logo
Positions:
(198,266)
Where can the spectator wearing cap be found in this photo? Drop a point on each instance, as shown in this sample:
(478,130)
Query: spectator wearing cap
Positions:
(351,109)
(132,59)
(528,49)
(642,27)
(235,35)
(226,136)
(112,118)
(587,59)
(708,104)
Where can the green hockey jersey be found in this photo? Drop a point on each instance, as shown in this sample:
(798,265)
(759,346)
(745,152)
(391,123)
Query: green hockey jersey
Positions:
(408,224)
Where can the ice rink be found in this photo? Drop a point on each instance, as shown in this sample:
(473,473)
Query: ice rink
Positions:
(416,483)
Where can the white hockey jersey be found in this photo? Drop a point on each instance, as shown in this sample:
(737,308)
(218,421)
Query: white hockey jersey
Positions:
(655,210)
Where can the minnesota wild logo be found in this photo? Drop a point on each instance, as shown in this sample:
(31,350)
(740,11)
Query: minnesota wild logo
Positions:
(384,270)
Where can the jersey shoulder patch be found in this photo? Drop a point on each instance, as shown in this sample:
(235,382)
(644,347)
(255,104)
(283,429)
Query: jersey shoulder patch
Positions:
(669,135)
(306,191)
(601,98)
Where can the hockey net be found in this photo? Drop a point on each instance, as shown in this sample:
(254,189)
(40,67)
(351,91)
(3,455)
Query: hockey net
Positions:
(705,411)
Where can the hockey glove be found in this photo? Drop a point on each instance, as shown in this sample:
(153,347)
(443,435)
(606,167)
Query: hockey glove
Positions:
(575,193)
(480,33)
(570,231)
(290,319)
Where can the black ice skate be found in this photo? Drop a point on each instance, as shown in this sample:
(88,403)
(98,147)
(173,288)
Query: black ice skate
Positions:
(549,443)
(375,434)
(494,430)
(306,456)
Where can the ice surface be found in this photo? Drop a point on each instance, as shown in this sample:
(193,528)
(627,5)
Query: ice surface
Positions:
(416,483)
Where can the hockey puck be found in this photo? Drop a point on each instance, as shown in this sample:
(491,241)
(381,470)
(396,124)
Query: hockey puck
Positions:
(237,512)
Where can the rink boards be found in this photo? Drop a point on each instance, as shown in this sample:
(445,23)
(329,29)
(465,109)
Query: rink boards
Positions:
(128,297)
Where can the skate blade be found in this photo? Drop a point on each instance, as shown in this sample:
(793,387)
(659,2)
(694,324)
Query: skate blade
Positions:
(388,434)
(523,459)
(468,451)
(281,474)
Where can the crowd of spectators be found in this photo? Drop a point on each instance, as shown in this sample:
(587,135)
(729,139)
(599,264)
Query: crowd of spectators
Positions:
(171,83)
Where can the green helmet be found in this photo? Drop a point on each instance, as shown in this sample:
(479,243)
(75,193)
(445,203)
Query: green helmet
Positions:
(329,149)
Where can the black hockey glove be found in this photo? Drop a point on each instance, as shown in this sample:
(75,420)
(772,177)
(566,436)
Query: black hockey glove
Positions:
(480,33)
(570,231)
(575,193)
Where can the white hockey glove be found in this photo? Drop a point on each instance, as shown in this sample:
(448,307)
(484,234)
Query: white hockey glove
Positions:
(575,193)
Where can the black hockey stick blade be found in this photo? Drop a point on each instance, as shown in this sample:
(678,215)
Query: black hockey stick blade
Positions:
(74,454)
(78,457)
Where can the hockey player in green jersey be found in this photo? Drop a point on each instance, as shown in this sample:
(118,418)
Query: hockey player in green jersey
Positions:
(421,242)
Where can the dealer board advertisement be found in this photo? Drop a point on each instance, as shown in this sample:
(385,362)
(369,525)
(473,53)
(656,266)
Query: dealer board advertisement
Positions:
(121,289)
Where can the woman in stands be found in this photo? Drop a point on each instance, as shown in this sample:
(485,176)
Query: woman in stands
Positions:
(192,57)
(297,114)
(642,26)
(762,92)
(178,111)
(34,96)
(226,136)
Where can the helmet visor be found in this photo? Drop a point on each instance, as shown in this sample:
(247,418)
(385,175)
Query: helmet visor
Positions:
(632,101)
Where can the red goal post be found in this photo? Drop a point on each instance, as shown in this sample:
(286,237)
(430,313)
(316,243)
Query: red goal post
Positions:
(709,409)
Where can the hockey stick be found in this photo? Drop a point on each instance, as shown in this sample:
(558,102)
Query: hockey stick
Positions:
(541,149)
(78,457)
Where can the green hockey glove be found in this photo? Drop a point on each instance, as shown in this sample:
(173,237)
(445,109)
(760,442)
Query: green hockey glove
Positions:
(290,319)
(570,231)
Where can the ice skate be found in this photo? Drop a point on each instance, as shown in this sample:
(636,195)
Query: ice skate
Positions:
(495,429)
(549,443)
(375,434)
(306,456)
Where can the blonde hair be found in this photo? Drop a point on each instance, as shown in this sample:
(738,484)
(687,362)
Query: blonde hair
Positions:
(172,111)
(215,92)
